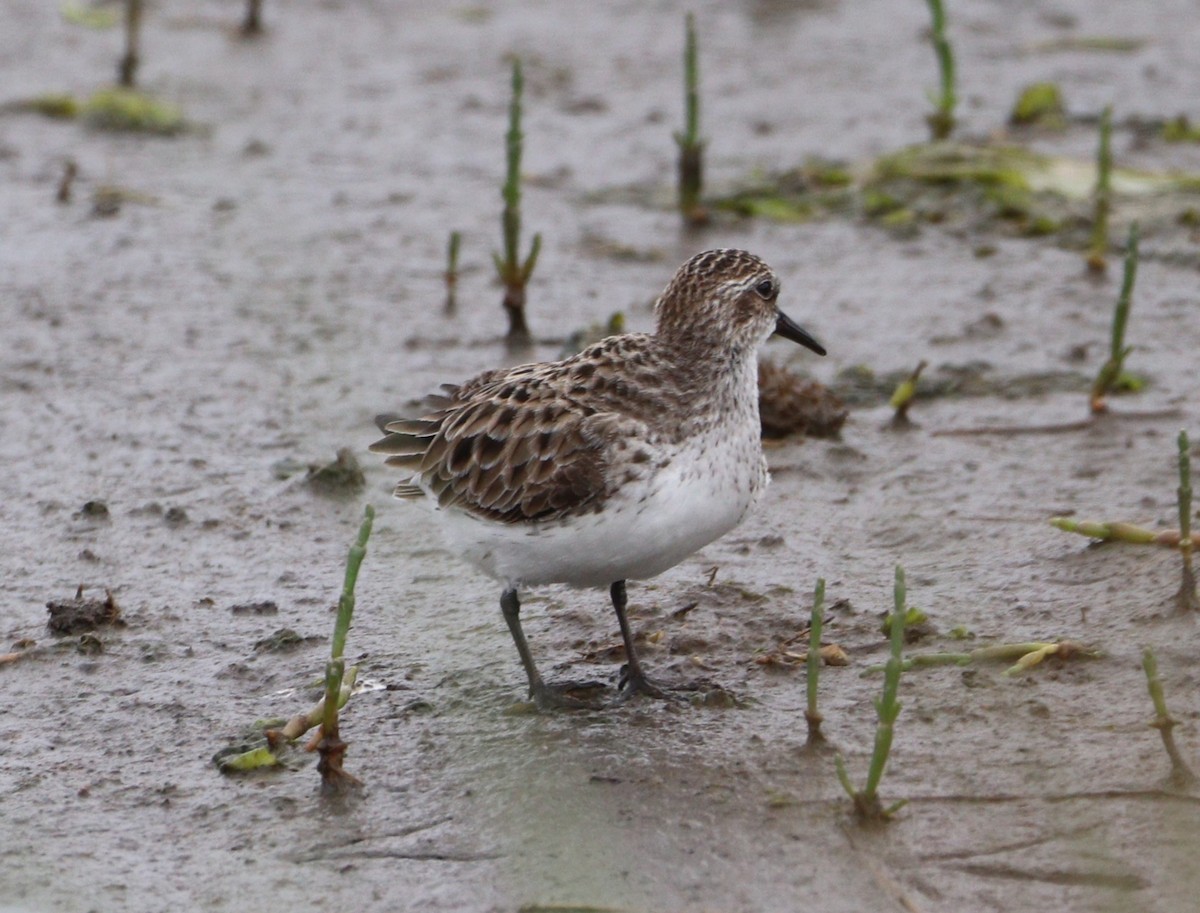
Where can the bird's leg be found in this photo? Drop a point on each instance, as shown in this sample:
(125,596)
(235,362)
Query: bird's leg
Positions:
(511,607)
(633,679)
(545,696)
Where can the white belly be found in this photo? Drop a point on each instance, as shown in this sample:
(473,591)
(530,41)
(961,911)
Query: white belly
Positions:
(643,529)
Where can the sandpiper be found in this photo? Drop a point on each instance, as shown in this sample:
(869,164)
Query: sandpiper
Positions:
(614,464)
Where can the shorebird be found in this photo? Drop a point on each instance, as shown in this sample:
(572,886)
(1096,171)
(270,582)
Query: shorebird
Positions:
(611,465)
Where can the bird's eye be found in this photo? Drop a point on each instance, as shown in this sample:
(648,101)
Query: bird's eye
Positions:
(765,289)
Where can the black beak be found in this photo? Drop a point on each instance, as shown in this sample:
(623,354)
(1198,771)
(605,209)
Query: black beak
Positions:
(789,329)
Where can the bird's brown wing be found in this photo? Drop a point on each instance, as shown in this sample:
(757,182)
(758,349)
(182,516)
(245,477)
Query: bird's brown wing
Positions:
(505,447)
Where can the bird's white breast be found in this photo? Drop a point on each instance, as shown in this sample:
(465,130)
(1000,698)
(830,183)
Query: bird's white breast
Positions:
(696,492)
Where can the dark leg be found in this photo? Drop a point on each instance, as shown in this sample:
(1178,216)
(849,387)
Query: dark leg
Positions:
(545,696)
(511,607)
(633,679)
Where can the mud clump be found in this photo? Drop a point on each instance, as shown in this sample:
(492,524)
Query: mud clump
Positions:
(80,615)
(267,607)
(282,641)
(89,645)
(95,510)
(343,476)
(791,404)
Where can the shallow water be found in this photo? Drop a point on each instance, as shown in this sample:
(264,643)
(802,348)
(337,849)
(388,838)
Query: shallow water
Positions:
(282,283)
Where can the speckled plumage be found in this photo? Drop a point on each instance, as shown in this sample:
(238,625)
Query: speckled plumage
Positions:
(615,463)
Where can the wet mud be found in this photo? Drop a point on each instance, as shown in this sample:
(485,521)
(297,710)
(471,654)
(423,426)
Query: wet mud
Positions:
(200,318)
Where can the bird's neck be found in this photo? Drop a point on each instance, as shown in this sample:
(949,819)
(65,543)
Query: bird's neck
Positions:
(716,381)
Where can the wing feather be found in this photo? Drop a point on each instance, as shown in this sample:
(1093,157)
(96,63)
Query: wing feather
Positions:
(534,442)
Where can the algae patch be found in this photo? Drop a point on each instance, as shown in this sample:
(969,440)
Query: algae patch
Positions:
(1039,104)
(860,386)
(980,187)
(131,111)
(116,109)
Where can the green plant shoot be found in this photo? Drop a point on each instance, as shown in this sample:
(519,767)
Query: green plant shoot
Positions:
(1188,601)
(1181,774)
(941,121)
(867,806)
(1101,196)
(1110,371)
(813,664)
(691,146)
(330,746)
(127,66)
(513,273)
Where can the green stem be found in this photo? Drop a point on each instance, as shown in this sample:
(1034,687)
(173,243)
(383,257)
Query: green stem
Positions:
(866,801)
(926,659)
(513,147)
(903,395)
(127,67)
(1110,371)
(1181,773)
(813,664)
(843,777)
(335,669)
(513,274)
(691,146)
(879,756)
(1094,529)
(1154,684)
(535,248)
(1185,492)
(1026,655)
(941,122)
(887,706)
(1125,532)
(691,92)
(1102,195)
(452,248)
(354,561)
(1117,349)
(1187,598)
(331,747)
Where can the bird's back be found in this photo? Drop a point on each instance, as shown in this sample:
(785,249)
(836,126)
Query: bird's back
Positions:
(535,442)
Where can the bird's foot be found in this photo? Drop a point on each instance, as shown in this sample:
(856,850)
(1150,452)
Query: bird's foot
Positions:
(701,692)
(632,681)
(566,695)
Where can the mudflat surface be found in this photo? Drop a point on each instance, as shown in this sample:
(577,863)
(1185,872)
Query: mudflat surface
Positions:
(273,279)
